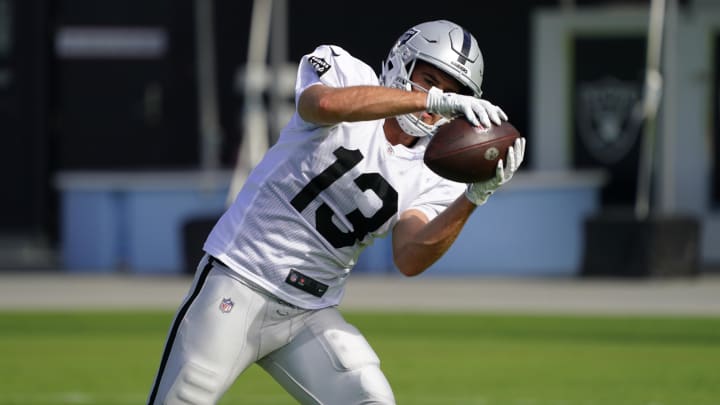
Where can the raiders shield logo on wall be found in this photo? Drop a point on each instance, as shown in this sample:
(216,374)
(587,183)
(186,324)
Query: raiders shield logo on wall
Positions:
(608,73)
(608,117)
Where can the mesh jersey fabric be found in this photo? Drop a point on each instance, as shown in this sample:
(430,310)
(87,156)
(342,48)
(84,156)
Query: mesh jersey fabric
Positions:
(322,194)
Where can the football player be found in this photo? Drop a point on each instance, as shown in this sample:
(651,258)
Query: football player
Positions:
(348,168)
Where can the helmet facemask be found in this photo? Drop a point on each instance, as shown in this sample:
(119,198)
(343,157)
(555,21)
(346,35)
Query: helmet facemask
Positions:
(398,70)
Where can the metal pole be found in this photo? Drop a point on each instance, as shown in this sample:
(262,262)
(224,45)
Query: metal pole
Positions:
(254,120)
(278,59)
(667,200)
(651,101)
(207,86)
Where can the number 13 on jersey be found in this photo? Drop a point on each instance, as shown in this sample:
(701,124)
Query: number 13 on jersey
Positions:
(362,225)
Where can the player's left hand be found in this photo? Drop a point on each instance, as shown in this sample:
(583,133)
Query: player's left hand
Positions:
(479,192)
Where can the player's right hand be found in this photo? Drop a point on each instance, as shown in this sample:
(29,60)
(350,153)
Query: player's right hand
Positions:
(476,110)
(479,192)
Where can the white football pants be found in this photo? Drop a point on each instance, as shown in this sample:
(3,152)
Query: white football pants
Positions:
(223,326)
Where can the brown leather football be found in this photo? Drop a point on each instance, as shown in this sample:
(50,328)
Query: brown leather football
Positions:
(465,153)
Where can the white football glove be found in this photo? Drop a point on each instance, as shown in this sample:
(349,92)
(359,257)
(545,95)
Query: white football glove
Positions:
(478,193)
(477,110)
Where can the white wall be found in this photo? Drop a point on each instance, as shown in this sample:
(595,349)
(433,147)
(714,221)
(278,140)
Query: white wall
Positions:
(685,120)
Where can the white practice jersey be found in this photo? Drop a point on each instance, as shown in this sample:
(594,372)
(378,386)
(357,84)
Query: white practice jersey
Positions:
(322,194)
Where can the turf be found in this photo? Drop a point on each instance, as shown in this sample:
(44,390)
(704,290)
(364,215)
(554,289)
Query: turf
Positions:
(111,357)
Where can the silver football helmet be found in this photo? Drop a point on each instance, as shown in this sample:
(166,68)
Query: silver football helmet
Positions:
(443,44)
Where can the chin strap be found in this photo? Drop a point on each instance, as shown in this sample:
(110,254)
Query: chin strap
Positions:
(413,126)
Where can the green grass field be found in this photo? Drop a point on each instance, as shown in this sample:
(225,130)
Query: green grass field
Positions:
(111,357)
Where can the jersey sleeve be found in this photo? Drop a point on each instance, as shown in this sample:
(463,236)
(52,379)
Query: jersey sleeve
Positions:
(435,200)
(332,66)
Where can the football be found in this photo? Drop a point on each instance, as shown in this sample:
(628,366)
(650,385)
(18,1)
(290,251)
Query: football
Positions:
(462,152)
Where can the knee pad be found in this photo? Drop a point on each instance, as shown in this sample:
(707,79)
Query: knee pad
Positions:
(373,386)
(194,385)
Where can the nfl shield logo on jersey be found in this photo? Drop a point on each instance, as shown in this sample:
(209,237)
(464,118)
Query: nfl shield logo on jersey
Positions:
(226,305)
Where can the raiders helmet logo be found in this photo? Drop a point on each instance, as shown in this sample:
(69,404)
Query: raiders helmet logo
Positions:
(406,36)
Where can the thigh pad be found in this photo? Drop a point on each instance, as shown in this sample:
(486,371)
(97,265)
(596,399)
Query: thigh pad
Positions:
(343,343)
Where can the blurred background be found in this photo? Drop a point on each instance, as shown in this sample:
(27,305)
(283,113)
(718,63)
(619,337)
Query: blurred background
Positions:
(126,126)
